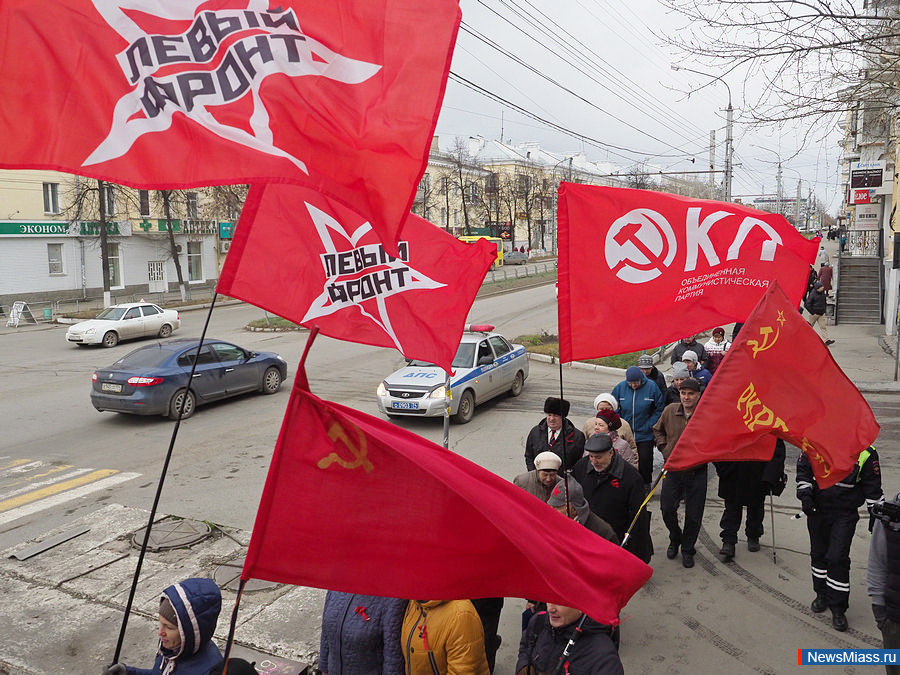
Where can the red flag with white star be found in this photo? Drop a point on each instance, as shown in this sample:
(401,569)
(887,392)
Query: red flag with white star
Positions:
(390,513)
(778,378)
(342,96)
(311,260)
(664,266)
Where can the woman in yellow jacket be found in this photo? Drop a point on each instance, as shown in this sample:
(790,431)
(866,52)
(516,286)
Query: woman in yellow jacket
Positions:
(443,637)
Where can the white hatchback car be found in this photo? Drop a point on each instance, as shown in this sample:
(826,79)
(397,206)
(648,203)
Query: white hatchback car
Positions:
(125,322)
(486,365)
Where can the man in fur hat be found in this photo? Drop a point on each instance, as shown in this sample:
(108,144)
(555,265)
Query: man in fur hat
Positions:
(555,433)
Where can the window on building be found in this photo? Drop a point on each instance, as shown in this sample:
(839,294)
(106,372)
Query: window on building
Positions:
(115,265)
(491,183)
(144,198)
(109,202)
(193,209)
(55,259)
(445,185)
(443,217)
(51,198)
(195,261)
(425,183)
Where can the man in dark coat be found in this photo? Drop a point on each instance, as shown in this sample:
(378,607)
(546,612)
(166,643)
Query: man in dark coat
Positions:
(747,484)
(688,344)
(548,633)
(645,363)
(615,490)
(816,303)
(680,373)
(556,434)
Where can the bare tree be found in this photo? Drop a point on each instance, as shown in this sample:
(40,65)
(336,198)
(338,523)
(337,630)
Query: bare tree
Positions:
(814,58)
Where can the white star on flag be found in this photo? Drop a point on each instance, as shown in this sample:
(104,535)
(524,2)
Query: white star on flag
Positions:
(326,225)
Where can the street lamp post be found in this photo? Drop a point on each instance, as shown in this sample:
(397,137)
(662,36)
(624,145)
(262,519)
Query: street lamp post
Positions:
(729,123)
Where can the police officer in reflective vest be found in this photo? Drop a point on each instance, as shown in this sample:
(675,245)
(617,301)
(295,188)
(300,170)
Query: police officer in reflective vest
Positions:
(831,517)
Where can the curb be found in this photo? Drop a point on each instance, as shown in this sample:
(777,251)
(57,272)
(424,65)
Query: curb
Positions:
(544,358)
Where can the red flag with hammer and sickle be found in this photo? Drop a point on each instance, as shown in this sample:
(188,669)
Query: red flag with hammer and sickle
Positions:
(353,503)
(639,268)
(778,378)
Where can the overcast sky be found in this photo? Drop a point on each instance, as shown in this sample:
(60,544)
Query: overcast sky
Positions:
(599,70)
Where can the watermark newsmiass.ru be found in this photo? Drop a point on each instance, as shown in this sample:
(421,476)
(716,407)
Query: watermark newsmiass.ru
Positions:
(824,657)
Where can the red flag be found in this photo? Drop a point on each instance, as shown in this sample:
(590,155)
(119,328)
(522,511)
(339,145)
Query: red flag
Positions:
(342,96)
(356,504)
(778,378)
(654,267)
(316,262)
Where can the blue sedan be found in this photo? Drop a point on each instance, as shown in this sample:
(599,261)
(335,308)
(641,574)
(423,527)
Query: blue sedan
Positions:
(152,380)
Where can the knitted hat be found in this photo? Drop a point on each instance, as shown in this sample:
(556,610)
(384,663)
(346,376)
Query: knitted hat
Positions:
(609,398)
(634,374)
(690,355)
(680,371)
(547,461)
(556,406)
(598,443)
(645,361)
(558,495)
(612,419)
(719,331)
(166,611)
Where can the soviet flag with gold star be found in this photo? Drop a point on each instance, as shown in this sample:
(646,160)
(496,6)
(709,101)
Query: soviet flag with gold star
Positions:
(778,379)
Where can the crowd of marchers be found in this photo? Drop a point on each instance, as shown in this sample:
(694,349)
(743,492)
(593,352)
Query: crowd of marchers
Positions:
(601,476)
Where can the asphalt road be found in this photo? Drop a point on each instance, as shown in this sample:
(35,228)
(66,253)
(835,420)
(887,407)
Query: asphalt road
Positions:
(748,616)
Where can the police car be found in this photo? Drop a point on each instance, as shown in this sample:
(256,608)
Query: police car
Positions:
(486,365)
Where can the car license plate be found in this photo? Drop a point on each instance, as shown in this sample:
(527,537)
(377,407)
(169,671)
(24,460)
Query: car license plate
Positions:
(404,405)
(109,386)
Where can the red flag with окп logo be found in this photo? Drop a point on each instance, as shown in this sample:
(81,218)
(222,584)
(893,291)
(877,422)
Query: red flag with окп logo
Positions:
(318,263)
(356,504)
(341,96)
(778,378)
(638,268)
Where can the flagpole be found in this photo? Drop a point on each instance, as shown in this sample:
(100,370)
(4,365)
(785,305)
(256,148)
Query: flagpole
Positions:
(448,397)
(159,487)
(772,514)
(231,627)
(565,469)
(637,515)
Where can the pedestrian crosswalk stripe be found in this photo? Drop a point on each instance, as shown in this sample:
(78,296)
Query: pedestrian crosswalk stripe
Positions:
(34,495)
(53,496)
(12,464)
(32,485)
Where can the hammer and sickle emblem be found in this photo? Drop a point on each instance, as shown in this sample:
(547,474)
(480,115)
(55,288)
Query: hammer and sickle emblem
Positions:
(337,432)
(816,456)
(761,346)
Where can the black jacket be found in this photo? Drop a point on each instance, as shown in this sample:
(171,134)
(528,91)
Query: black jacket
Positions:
(816,302)
(592,654)
(748,483)
(860,486)
(538,441)
(616,495)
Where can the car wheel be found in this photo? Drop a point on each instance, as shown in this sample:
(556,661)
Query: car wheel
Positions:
(190,404)
(466,410)
(111,339)
(165,330)
(518,385)
(271,380)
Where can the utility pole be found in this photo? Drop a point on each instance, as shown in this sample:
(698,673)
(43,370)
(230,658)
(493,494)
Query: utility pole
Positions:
(729,140)
(797,206)
(712,159)
(780,195)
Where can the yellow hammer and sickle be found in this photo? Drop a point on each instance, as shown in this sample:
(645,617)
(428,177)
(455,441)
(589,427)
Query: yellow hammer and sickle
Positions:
(765,332)
(814,454)
(337,432)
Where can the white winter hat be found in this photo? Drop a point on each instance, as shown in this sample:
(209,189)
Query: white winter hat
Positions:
(609,398)
(547,461)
